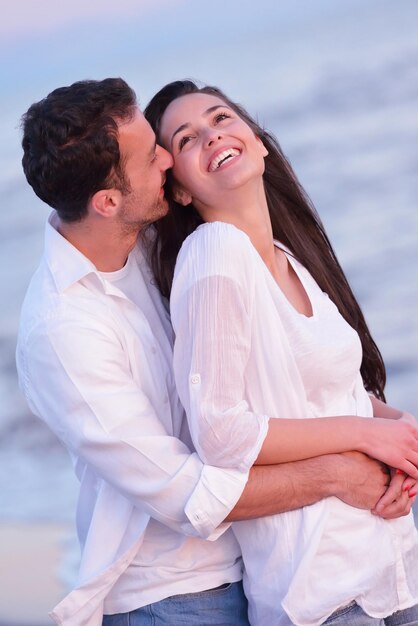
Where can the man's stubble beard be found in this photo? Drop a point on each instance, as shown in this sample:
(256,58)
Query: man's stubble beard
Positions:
(131,222)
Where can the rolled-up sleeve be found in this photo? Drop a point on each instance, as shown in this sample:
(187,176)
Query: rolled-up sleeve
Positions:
(76,375)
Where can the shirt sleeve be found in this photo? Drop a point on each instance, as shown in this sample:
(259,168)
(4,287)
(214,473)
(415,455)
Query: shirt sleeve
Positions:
(76,376)
(211,308)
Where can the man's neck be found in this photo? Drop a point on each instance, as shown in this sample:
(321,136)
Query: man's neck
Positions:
(104,244)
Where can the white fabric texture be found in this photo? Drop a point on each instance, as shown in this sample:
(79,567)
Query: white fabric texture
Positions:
(98,371)
(243,352)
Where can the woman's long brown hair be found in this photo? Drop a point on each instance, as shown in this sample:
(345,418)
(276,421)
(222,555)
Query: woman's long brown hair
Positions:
(294,220)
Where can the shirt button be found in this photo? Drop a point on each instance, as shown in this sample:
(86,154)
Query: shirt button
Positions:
(195,379)
(154,350)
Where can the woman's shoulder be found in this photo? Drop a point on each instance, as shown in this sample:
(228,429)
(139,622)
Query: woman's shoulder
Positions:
(216,248)
(218,238)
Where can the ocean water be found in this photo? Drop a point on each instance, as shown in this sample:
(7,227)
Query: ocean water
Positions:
(339,88)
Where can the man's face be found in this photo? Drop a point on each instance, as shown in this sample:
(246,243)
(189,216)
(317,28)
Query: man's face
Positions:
(144,164)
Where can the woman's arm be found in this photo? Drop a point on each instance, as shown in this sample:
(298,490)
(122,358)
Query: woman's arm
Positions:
(211,308)
(389,441)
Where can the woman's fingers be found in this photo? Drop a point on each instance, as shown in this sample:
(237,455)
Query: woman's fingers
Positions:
(409,467)
(395,442)
(408,462)
(410,485)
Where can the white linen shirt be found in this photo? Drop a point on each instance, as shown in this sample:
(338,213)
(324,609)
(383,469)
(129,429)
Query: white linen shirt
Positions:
(99,374)
(237,338)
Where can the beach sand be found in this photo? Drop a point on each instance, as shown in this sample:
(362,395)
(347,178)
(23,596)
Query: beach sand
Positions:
(30,556)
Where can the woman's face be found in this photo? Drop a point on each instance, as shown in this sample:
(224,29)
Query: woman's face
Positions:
(214,150)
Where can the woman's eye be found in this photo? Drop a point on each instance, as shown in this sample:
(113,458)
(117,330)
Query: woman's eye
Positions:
(183,141)
(220,117)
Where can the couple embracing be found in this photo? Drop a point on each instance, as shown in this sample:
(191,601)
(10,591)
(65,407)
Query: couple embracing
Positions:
(191,338)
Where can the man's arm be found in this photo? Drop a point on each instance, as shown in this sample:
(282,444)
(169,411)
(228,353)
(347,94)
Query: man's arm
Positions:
(353,477)
(76,375)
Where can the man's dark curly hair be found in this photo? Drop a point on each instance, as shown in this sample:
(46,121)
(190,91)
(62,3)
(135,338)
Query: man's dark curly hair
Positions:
(70,143)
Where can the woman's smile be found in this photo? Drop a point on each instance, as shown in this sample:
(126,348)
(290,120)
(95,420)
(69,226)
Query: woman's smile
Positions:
(222,158)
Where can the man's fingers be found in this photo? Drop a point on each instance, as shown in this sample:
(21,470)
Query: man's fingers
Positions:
(398,508)
(392,493)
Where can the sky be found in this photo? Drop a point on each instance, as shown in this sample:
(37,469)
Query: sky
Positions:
(23,18)
(47,42)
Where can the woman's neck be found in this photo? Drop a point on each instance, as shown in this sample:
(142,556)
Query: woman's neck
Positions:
(248,211)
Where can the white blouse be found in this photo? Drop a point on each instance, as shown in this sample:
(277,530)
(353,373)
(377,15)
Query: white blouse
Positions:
(242,353)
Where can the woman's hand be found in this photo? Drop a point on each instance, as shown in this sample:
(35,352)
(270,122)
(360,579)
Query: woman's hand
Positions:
(393,441)
(408,418)
(410,486)
(399,497)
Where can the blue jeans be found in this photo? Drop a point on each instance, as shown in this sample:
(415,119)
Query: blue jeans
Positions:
(223,606)
(353,615)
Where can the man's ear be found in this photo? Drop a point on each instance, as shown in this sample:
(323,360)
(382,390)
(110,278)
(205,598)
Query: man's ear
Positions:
(180,195)
(106,202)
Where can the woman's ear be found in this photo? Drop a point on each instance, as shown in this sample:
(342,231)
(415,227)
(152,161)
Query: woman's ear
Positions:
(180,195)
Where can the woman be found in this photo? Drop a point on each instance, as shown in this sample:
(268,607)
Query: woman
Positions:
(266,325)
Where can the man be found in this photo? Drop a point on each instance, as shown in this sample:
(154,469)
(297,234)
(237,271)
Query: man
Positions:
(94,361)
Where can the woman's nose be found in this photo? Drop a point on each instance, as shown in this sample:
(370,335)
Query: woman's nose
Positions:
(212,137)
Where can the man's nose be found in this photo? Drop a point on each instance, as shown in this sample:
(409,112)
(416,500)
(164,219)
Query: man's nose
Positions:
(165,158)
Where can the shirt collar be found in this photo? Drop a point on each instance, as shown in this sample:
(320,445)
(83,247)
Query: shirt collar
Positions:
(67,264)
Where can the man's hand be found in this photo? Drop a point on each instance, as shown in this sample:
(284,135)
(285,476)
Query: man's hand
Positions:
(353,477)
(360,480)
(399,497)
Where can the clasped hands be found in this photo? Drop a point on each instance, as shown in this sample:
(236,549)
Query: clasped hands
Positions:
(401,493)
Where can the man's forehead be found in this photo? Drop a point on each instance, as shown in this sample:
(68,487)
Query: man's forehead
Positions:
(136,133)
(135,119)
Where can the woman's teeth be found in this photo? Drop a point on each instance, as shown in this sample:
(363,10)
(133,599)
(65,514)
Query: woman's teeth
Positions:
(222,157)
